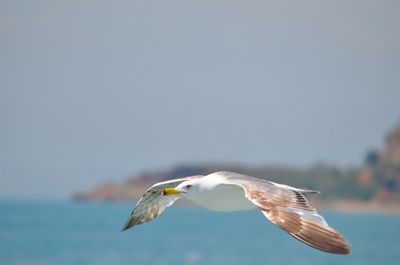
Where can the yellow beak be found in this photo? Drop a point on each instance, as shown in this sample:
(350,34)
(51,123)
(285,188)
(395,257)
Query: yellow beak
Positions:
(172,192)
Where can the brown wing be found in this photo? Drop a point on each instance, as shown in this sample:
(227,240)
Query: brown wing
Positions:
(288,208)
(153,203)
(305,229)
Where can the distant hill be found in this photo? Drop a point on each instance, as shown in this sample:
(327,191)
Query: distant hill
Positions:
(378,180)
(334,183)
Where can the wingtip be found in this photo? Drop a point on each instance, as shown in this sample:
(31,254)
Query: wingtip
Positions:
(128,224)
(346,250)
(342,248)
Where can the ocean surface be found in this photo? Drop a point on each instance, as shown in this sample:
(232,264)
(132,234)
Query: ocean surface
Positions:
(58,233)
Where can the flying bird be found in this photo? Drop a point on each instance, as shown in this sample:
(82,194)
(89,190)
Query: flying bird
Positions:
(285,206)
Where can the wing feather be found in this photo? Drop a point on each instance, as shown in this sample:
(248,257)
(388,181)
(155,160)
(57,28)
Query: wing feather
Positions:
(288,208)
(153,203)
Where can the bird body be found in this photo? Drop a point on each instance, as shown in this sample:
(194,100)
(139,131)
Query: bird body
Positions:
(285,206)
(208,196)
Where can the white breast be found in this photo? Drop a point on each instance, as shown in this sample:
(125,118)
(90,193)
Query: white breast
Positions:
(224,198)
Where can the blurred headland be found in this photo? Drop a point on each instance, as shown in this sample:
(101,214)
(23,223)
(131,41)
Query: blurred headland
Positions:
(374,187)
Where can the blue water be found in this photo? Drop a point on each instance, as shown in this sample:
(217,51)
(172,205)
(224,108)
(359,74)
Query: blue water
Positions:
(73,233)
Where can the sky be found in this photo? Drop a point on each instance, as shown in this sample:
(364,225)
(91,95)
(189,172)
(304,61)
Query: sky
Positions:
(97,91)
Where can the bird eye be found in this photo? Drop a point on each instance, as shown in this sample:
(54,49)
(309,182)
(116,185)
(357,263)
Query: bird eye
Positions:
(188,186)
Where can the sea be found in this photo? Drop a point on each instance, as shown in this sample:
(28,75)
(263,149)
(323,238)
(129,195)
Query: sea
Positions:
(61,233)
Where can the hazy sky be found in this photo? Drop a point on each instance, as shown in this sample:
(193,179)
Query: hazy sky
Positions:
(94,91)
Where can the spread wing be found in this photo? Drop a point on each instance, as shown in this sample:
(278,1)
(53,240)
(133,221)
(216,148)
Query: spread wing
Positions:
(153,203)
(288,208)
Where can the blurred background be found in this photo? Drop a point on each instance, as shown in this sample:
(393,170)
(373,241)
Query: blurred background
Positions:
(100,99)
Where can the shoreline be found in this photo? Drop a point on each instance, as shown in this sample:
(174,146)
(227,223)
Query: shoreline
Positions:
(358,207)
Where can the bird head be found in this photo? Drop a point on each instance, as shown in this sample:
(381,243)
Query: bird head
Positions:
(182,189)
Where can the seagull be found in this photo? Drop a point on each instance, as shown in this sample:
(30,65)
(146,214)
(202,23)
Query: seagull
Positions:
(285,206)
